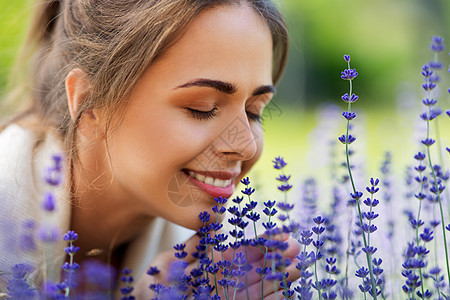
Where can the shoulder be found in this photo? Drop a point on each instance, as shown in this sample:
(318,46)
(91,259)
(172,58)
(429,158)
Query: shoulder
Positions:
(160,235)
(24,156)
(16,152)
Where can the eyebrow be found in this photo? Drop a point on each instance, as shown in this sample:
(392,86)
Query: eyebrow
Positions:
(226,87)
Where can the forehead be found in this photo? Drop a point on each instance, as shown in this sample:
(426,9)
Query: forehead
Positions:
(225,42)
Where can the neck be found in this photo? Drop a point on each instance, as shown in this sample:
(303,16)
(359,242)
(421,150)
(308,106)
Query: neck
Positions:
(103,216)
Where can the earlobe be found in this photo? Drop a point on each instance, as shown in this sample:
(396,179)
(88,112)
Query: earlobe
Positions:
(77,91)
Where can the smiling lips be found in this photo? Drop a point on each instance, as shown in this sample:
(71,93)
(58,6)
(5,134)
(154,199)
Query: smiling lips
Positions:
(217,182)
(220,185)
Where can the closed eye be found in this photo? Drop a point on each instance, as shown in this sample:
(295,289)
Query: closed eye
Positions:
(202,115)
(254,117)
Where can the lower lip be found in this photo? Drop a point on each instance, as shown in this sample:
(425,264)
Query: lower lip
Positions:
(225,192)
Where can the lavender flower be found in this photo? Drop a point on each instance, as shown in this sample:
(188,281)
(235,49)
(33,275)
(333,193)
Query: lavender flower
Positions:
(349,74)
(48,233)
(53,175)
(437,44)
(48,203)
(127,289)
(101,278)
(18,286)
(27,240)
(71,266)
(432,113)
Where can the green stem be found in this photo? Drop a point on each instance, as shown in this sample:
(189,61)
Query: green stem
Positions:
(438,193)
(438,140)
(442,216)
(246,255)
(368,256)
(264,267)
(67,291)
(212,259)
(347,258)
(315,272)
(417,233)
(235,289)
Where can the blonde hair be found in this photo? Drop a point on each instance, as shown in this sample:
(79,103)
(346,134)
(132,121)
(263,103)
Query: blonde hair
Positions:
(113,42)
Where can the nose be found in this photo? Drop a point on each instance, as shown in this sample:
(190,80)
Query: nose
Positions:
(237,141)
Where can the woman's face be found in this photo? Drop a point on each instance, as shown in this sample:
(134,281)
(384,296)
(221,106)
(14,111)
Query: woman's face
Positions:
(190,131)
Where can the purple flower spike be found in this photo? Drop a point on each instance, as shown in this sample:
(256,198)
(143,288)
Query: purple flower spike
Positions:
(220,200)
(204,217)
(448,149)
(362,272)
(347,58)
(152,271)
(49,202)
(344,140)
(425,116)
(283,178)
(356,195)
(27,242)
(248,191)
(374,182)
(70,236)
(428,86)
(48,233)
(448,111)
(435,65)
(279,163)
(437,39)
(437,44)
(348,99)
(70,267)
(245,181)
(18,287)
(71,249)
(428,142)
(319,220)
(285,187)
(429,102)
(57,159)
(53,177)
(349,115)
(349,74)
(369,249)
(127,271)
(419,156)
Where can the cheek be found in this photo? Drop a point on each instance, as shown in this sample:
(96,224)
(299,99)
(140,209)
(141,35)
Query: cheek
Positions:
(159,137)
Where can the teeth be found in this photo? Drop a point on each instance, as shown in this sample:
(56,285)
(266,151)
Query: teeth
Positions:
(210,180)
(219,182)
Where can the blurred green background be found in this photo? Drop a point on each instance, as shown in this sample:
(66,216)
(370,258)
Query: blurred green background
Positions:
(388,41)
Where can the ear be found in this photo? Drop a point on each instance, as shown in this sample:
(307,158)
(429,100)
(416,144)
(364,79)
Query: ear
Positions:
(77,90)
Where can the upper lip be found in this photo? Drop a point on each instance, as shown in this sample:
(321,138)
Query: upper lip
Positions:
(224,174)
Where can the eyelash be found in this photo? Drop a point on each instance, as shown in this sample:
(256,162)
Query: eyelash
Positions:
(255,117)
(203,115)
(208,115)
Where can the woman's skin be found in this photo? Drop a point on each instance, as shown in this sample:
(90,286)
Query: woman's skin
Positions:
(194,112)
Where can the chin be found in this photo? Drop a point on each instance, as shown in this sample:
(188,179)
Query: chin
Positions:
(187,200)
(190,218)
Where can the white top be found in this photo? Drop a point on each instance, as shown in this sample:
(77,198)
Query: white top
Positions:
(24,156)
